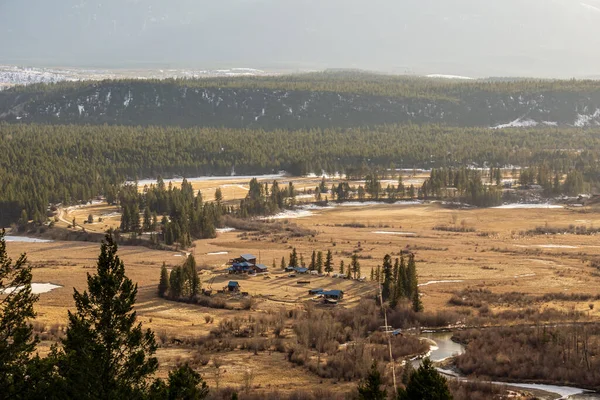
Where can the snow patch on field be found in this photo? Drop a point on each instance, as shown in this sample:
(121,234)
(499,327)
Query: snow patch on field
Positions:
(526,206)
(436,282)
(394,233)
(225,230)
(548,246)
(217,253)
(36,288)
(25,239)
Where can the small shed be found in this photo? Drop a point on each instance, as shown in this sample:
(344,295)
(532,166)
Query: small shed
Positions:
(315,291)
(301,270)
(233,286)
(334,294)
(261,268)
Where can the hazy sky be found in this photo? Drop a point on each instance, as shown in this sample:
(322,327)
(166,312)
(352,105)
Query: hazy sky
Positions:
(549,38)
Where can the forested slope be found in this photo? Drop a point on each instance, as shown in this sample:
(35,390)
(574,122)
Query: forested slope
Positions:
(320,100)
(43,164)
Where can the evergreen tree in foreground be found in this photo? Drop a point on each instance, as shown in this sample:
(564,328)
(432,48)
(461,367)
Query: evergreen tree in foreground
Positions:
(425,384)
(16,334)
(370,388)
(106,355)
(183,384)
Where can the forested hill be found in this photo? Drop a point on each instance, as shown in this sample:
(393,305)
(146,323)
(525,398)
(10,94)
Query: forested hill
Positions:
(321,100)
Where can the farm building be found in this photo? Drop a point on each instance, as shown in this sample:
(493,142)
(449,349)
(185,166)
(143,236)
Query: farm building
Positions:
(246,264)
(232,286)
(315,291)
(333,294)
(299,270)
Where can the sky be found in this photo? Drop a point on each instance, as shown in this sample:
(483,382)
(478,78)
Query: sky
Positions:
(477,38)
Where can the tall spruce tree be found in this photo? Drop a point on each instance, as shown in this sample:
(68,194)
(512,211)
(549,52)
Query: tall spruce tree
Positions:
(17,342)
(329,262)
(190,277)
(387,277)
(313,261)
(319,262)
(163,285)
(105,354)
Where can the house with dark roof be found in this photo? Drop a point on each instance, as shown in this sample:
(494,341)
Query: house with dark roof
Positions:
(333,294)
(232,286)
(246,264)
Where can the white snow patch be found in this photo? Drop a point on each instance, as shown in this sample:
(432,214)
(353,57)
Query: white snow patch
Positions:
(436,282)
(281,174)
(225,230)
(517,123)
(36,288)
(550,123)
(445,76)
(585,119)
(525,206)
(81,109)
(25,239)
(217,253)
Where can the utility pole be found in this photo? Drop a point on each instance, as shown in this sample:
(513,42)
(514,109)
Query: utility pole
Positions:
(388,338)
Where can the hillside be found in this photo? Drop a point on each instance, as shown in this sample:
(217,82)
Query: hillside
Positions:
(306,101)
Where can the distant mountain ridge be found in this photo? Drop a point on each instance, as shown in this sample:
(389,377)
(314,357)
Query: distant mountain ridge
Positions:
(540,38)
(273,103)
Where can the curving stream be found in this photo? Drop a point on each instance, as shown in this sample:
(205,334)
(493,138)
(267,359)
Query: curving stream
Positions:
(446,348)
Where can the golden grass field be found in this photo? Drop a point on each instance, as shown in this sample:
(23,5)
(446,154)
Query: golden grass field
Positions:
(525,264)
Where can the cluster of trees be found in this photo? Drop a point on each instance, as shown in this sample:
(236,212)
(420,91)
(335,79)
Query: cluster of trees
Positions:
(181,282)
(398,281)
(105,354)
(51,164)
(321,263)
(468,184)
(552,180)
(184,216)
(262,201)
(426,383)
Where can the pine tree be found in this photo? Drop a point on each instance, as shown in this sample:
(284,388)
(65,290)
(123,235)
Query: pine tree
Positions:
(372,274)
(184,384)
(313,261)
(175,283)
(417,305)
(341,267)
(283,265)
(411,277)
(319,264)
(370,388)
(355,266)
(218,195)
(16,333)
(190,277)
(401,284)
(147,225)
(105,355)
(294,258)
(329,262)
(425,383)
(387,277)
(163,285)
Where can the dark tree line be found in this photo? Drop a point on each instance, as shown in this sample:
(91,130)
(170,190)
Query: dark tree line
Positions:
(51,164)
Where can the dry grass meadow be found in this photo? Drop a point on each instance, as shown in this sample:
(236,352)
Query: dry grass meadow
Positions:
(494,255)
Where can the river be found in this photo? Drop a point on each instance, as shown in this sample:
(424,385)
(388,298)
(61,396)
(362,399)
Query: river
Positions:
(446,348)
